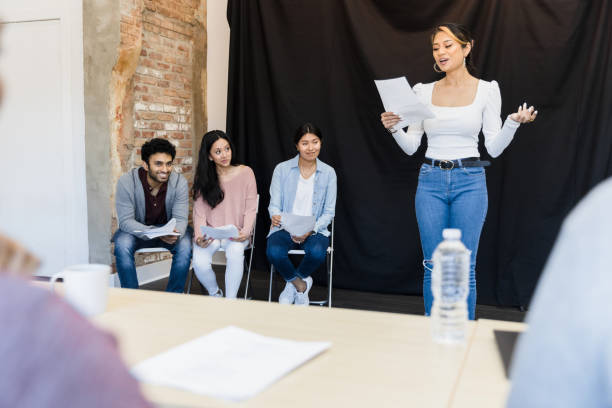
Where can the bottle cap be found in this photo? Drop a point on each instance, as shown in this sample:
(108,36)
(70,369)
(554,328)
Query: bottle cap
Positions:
(451,233)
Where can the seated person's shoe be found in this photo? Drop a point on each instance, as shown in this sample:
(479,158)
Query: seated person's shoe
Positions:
(287,296)
(301,298)
(218,293)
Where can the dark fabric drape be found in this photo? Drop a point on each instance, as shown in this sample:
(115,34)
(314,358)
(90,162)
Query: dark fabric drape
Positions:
(293,61)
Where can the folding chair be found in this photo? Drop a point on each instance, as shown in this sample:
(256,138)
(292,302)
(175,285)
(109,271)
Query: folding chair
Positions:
(247,264)
(329,261)
(150,251)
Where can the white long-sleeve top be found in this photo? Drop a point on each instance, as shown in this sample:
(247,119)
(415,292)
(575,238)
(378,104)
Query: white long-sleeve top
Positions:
(453,133)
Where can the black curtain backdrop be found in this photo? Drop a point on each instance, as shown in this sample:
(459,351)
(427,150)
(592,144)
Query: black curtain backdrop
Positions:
(315,60)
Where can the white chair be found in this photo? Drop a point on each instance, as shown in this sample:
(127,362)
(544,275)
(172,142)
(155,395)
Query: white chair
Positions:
(247,264)
(150,251)
(329,261)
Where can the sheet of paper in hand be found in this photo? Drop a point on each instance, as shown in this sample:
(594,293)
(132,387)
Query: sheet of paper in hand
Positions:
(224,232)
(162,231)
(297,225)
(398,97)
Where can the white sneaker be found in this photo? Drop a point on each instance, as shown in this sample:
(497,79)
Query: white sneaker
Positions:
(218,293)
(301,298)
(287,296)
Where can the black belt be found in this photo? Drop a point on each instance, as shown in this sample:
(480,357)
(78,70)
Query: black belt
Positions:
(451,164)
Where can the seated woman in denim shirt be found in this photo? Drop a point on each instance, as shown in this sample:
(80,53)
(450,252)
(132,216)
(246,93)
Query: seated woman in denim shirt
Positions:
(303,185)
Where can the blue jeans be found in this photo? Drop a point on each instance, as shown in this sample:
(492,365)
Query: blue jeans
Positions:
(454,198)
(315,249)
(126,244)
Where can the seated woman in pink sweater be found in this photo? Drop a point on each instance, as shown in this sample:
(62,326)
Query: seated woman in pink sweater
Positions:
(224,193)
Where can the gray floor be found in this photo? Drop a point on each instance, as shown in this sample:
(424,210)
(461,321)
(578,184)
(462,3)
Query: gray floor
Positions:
(350,299)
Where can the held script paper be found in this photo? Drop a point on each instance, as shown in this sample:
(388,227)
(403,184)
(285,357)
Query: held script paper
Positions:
(164,230)
(398,97)
(297,225)
(224,232)
(230,363)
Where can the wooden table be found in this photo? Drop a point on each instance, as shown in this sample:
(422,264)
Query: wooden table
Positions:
(482,381)
(376,359)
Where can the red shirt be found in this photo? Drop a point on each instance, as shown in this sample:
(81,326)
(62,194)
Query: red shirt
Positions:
(155,205)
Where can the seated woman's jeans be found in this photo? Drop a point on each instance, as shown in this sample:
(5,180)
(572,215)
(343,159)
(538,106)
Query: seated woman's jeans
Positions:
(127,244)
(279,245)
(454,198)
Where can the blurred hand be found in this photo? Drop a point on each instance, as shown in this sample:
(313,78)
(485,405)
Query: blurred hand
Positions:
(15,259)
(203,241)
(170,239)
(276,220)
(301,239)
(241,238)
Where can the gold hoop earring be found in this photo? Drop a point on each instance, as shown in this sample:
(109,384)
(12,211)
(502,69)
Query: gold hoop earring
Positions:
(438,70)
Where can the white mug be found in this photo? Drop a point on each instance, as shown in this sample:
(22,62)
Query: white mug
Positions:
(85,287)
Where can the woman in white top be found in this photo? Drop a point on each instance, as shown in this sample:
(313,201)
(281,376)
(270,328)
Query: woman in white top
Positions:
(452,190)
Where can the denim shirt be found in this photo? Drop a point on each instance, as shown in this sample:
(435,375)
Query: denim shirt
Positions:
(284,186)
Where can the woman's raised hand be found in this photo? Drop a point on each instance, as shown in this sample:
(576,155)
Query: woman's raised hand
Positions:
(524,115)
(389,119)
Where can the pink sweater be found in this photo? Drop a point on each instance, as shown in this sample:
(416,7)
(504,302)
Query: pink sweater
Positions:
(239,205)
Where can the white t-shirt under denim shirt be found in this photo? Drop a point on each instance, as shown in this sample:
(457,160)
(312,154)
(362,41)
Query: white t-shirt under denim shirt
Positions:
(302,205)
(453,133)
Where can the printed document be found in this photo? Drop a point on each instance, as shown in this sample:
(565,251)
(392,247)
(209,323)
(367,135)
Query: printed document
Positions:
(164,230)
(297,225)
(398,97)
(224,232)
(230,363)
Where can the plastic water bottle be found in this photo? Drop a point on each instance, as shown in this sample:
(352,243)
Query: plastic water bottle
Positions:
(449,283)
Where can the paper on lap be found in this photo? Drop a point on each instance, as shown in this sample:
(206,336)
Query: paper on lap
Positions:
(230,363)
(297,225)
(224,232)
(398,97)
(167,229)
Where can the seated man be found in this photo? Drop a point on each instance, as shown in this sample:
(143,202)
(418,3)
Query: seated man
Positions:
(147,197)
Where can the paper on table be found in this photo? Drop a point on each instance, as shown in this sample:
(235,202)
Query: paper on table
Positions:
(229,363)
(297,225)
(224,232)
(398,97)
(164,230)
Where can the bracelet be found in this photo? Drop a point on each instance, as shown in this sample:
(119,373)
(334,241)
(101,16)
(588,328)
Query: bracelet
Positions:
(392,131)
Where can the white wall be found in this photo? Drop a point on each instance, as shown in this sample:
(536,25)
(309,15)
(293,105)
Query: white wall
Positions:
(217,58)
(42,188)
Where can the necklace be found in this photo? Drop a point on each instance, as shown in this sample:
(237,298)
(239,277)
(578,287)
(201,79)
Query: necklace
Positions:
(306,173)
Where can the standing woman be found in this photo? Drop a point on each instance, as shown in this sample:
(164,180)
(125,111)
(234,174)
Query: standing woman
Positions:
(452,190)
(223,193)
(303,185)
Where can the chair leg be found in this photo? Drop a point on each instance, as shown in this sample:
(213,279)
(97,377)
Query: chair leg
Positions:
(248,280)
(270,288)
(330,278)
(190,274)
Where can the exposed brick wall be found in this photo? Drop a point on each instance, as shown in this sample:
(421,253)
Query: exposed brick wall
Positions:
(163,89)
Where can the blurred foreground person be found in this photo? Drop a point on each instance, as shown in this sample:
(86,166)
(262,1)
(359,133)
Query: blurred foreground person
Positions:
(50,356)
(564,359)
